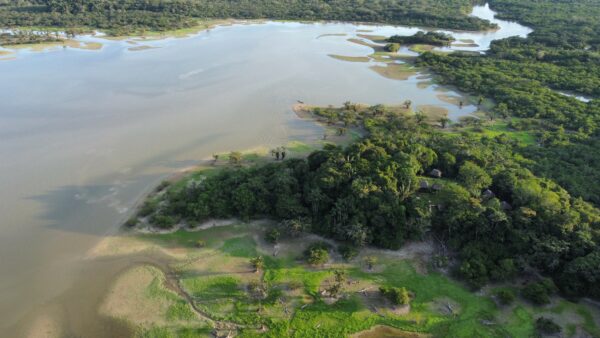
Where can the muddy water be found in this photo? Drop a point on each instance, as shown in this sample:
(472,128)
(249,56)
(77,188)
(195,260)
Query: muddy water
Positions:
(84,134)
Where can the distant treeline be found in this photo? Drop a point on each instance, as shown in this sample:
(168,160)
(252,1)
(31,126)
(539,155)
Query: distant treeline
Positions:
(127,15)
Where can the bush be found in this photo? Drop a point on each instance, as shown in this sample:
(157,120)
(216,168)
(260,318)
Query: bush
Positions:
(162,221)
(539,292)
(348,252)
(546,326)
(272,236)
(392,47)
(398,296)
(317,253)
(505,297)
(130,223)
(147,208)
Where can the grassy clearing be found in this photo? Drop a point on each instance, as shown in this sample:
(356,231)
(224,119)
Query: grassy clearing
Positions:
(217,276)
(500,128)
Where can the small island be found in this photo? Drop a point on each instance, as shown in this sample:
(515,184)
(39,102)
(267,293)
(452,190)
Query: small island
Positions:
(429,38)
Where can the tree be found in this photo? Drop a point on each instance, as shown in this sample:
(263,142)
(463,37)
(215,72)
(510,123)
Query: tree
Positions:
(420,117)
(258,263)
(505,297)
(258,291)
(370,262)
(317,254)
(443,122)
(407,104)
(474,177)
(502,110)
(539,292)
(398,296)
(235,158)
(272,236)
(337,286)
(547,326)
(392,47)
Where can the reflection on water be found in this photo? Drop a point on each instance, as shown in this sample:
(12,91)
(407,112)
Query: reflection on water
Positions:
(86,133)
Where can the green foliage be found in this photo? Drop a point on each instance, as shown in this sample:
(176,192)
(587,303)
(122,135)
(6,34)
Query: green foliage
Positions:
(398,296)
(547,326)
(236,158)
(258,263)
(366,194)
(429,38)
(317,254)
(272,236)
(392,47)
(370,262)
(474,178)
(539,292)
(348,251)
(505,296)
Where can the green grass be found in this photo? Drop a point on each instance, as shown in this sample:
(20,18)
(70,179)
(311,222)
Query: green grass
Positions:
(225,297)
(523,137)
(240,247)
(180,311)
(209,287)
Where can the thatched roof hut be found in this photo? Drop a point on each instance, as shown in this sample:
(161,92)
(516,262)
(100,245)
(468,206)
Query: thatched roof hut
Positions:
(436,173)
(487,194)
(505,205)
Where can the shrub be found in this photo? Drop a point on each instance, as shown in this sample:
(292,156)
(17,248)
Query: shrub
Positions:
(398,296)
(162,221)
(505,297)
(370,261)
(272,236)
(546,326)
(539,292)
(130,223)
(317,253)
(348,252)
(147,208)
(392,47)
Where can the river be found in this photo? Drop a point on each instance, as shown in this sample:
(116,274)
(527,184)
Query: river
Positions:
(85,133)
